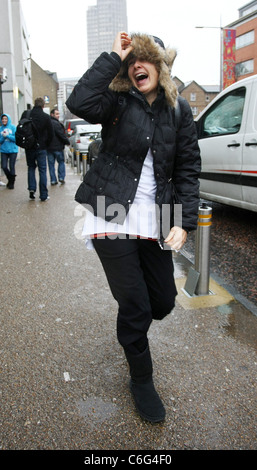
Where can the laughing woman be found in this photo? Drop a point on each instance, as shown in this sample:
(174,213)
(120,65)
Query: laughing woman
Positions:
(145,160)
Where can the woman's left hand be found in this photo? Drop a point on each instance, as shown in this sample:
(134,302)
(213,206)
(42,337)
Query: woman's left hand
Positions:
(176,238)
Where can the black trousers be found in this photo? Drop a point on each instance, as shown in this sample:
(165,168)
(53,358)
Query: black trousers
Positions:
(140,276)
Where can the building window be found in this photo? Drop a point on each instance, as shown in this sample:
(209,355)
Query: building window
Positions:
(192,96)
(207,98)
(245,40)
(243,68)
(194,110)
(244,11)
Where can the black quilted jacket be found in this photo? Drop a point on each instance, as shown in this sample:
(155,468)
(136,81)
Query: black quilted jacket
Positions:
(44,126)
(129,128)
(59,139)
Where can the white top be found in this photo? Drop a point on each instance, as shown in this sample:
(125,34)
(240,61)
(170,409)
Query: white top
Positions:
(141,218)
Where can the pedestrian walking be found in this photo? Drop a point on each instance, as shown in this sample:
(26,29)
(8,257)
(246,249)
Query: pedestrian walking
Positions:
(9,149)
(55,151)
(146,159)
(37,156)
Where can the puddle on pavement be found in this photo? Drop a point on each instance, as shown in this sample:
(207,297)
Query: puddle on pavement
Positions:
(239,323)
(95,410)
(236,320)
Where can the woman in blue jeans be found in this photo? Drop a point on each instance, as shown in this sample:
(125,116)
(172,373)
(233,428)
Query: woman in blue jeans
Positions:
(9,149)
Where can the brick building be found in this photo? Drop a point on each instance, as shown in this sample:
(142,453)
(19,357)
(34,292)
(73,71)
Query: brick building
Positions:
(198,96)
(44,85)
(246,40)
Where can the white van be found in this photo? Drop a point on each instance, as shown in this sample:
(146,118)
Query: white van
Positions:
(227,133)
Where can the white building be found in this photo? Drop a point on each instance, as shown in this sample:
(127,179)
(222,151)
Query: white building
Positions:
(104,21)
(66,86)
(15,58)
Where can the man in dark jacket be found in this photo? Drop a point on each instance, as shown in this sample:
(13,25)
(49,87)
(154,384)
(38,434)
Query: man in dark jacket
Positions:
(36,157)
(55,149)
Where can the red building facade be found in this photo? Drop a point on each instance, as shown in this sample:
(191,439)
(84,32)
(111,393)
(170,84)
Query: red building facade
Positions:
(246,41)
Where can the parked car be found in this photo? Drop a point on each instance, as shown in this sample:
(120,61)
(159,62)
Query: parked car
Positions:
(93,150)
(227,132)
(70,124)
(83,135)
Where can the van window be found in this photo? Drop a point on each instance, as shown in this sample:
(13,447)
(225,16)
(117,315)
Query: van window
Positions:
(225,117)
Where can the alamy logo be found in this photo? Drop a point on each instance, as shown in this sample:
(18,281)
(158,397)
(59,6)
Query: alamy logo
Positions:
(141,218)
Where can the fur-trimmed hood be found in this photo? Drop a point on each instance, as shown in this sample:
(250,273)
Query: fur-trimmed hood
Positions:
(150,49)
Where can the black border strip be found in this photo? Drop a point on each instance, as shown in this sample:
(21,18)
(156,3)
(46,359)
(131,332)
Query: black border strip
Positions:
(232,178)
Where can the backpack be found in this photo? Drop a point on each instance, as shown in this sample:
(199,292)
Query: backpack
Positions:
(26,134)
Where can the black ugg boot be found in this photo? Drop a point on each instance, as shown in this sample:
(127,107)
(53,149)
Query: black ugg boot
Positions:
(8,176)
(147,400)
(11,181)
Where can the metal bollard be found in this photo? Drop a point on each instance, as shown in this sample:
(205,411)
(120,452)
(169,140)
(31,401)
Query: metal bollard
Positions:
(66,154)
(78,160)
(84,163)
(202,249)
(72,157)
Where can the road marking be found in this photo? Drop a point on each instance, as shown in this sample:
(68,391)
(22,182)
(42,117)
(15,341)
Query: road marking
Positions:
(218,296)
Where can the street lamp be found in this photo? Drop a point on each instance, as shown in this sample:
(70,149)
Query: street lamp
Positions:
(221,49)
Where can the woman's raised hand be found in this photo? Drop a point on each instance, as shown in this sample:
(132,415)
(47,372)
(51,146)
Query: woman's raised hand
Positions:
(122,45)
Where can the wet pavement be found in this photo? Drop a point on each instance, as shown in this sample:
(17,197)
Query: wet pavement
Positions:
(64,378)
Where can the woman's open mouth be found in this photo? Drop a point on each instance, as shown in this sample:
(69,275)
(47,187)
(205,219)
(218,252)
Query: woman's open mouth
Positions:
(141,77)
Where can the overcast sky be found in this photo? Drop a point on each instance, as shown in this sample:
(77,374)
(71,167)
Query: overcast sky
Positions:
(58,35)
